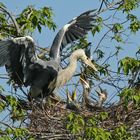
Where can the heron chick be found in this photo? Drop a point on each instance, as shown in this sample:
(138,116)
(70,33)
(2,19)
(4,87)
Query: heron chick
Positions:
(102,96)
(25,68)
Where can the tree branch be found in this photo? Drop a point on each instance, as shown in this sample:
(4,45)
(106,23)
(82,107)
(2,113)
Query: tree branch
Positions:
(12,18)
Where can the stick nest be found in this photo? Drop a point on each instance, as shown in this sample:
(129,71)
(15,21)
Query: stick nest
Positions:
(49,121)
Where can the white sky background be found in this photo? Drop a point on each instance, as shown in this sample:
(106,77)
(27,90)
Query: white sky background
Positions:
(64,11)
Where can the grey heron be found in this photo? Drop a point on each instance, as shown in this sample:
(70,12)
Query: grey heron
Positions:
(25,68)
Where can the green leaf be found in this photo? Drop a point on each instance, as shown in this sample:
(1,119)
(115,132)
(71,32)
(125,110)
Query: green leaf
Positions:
(31,19)
(129,65)
(70,117)
(103,115)
(131,17)
(136,99)
(39,28)
(129,5)
(12,101)
(100,54)
(118,38)
(96,29)
(135,26)
(2,5)
(5,137)
(117,27)
(9,130)
(1,89)
(2,105)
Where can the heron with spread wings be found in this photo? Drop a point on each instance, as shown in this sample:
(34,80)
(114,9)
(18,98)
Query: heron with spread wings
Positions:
(25,68)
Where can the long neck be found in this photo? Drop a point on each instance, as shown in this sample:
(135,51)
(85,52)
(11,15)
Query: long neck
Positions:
(66,74)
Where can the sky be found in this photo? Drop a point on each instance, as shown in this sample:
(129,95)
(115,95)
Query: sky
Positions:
(64,11)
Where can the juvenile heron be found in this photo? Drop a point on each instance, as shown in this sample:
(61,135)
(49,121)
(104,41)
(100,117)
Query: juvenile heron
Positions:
(26,68)
(102,96)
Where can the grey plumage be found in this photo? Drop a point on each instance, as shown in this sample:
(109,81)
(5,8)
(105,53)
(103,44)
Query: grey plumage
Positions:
(25,68)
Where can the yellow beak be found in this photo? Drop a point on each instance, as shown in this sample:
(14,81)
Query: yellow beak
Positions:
(89,63)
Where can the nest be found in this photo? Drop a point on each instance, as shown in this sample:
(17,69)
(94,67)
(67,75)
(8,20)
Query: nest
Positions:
(49,121)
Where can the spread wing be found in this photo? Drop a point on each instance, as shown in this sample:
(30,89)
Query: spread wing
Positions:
(16,54)
(75,29)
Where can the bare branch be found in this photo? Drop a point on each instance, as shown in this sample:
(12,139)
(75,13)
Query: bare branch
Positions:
(101,5)
(3,97)
(110,6)
(6,125)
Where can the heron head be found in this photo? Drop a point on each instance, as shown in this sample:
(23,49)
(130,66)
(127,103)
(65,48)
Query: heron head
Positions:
(80,54)
(87,60)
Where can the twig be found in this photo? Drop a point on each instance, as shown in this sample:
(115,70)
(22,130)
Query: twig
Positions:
(3,97)
(6,125)
(3,77)
(110,56)
(110,6)
(51,117)
(101,40)
(101,5)
(53,136)
(23,91)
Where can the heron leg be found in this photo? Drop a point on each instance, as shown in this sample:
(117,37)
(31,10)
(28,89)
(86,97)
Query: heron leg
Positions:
(34,93)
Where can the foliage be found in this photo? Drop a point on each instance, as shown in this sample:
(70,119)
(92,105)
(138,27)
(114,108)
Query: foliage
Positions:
(98,26)
(30,19)
(130,95)
(15,133)
(17,113)
(27,21)
(114,28)
(129,5)
(2,105)
(129,65)
(90,128)
(135,23)
(121,133)
(75,123)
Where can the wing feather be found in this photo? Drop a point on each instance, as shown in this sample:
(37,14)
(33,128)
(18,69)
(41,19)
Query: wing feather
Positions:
(75,29)
(13,55)
(4,52)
